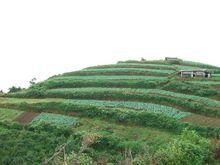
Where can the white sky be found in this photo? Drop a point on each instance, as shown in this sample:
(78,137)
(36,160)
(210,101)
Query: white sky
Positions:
(45,37)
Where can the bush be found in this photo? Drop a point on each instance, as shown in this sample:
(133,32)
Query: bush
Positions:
(188,149)
(189,88)
(14,89)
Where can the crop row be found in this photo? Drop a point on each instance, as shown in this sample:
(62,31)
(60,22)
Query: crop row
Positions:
(189,102)
(202,100)
(153,108)
(134,65)
(119,71)
(116,81)
(9,114)
(147,66)
(182,63)
(126,93)
(150,107)
(142,118)
(216,75)
(189,88)
(54,119)
(206,82)
(102,77)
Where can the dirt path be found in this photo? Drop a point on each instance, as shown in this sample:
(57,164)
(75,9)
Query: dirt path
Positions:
(26,117)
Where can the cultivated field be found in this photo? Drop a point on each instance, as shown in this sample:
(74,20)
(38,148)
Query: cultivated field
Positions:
(131,112)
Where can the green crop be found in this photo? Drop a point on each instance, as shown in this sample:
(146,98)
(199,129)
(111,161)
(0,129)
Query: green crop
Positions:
(126,93)
(55,119)
(9,114)
(120,71)
(206,82)
(102,77)
(153,108)
(191,103)
(104,81)
(134,65)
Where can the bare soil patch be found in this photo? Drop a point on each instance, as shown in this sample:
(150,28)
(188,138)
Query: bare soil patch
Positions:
(216,86)
(202,120)
(26,117)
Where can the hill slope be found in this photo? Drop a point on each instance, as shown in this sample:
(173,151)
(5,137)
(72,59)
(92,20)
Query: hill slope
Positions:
(113,113)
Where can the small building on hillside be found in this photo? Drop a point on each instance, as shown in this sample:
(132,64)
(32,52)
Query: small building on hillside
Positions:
(173,60)
(195,73)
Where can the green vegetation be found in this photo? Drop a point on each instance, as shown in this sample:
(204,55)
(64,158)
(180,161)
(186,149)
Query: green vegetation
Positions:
(153,108)
(195,104)
(206,82)
(134,65)
(120,71)
(182,63)
(55,119)
(104,81)
(102,77)
(182,150)
(30,145)
(122,115)
(14,89)
(185,87)
(132,112)
(9,114)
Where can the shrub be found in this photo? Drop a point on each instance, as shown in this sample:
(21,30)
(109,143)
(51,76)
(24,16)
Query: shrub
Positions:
(188,149)
(14,89)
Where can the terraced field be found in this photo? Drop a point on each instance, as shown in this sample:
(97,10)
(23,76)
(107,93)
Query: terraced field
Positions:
(122,108)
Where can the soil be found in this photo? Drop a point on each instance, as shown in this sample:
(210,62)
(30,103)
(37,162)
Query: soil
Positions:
(202,120)
(217,154)
(216,86)
(26,117)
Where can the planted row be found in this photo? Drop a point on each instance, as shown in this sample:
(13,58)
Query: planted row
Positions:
(54,119)
(206,82)
(182,63)
(149,107)
(103,77)
(152,108)
(9,114)
(142,118)
(191,103)
(71,82)
(189,88)
(125,93)
(134,65)
(119,71)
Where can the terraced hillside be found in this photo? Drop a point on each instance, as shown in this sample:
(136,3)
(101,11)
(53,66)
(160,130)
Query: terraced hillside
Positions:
(132,111)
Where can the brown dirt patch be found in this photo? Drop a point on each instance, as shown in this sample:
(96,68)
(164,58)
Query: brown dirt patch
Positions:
(26,117)
(202,120)
(217,154)
(216,86)
(73,113)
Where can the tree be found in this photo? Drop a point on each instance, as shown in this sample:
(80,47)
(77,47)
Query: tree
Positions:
(33,81)
(14,89)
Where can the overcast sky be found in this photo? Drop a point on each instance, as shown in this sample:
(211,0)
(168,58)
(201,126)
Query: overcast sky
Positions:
(46,37)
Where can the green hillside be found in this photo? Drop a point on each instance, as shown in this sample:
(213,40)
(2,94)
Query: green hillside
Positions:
(132,112)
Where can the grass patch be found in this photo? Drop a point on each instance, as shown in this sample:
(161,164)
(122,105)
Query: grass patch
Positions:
(9,114)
